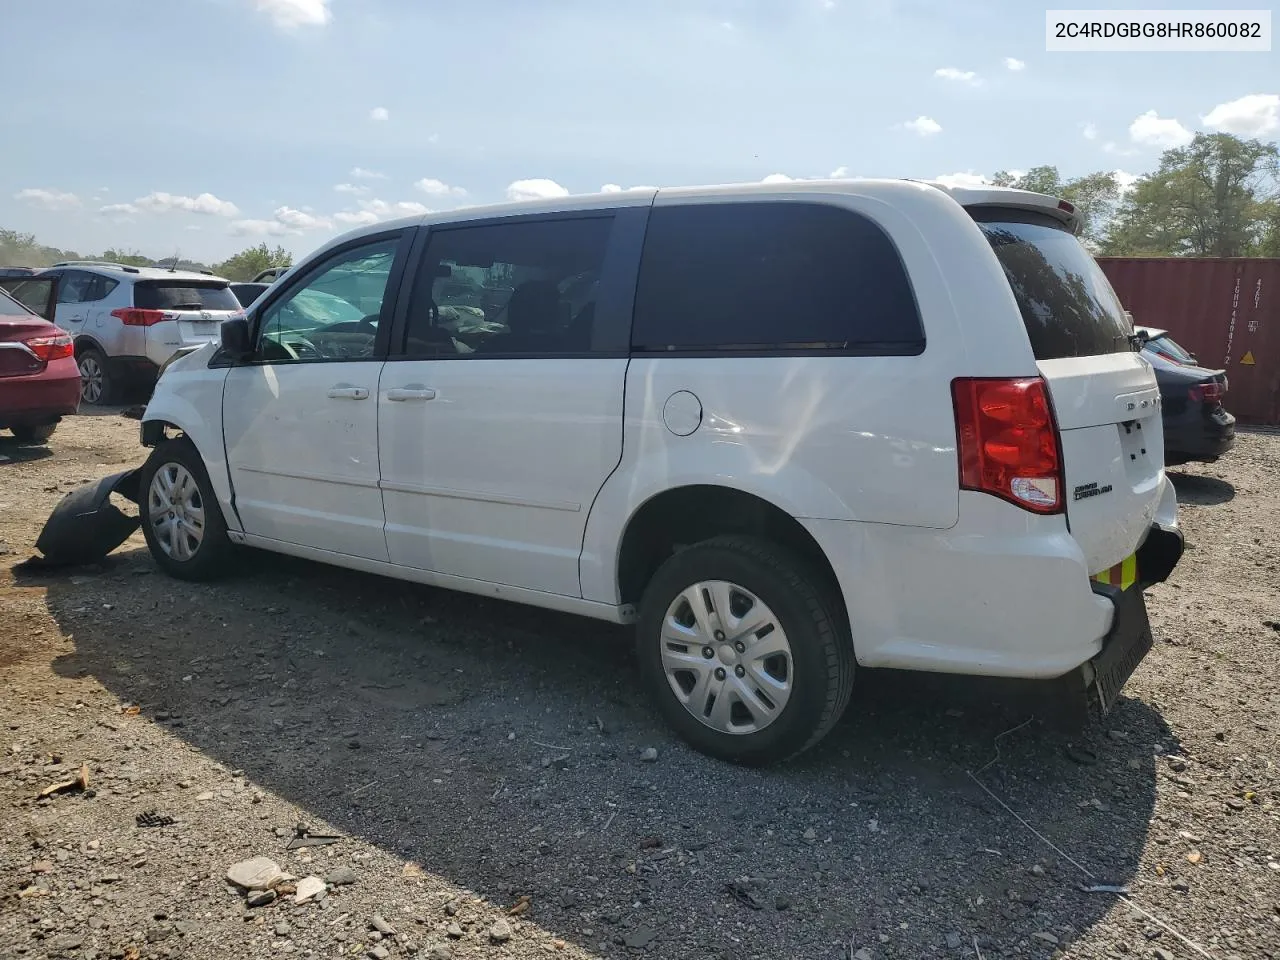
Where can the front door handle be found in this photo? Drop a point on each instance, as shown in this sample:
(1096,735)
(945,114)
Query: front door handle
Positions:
(402,394)
(343,392)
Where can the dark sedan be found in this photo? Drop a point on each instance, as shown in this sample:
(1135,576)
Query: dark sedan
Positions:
(1196,425)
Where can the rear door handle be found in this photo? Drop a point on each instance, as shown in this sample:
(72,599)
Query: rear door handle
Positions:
(402,394)
(343,392)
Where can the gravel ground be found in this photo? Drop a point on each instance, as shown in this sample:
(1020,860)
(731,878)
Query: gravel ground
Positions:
(470,754)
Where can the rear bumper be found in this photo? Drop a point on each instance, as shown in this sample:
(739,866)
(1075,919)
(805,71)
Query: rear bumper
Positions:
(41,398)
(132,369)
(1003,594)
(1193,436)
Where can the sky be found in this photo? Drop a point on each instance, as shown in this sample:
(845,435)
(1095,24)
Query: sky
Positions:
(201,127)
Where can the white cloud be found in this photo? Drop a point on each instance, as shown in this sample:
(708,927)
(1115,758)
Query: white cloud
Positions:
(778,178)
(1014,64)
(403,208)
(48,199)
(379,113)
(1152,130)
(1124,181)
(1255,115)
(840,173)
(957,76)
(288,14)
(118,209)
(356,189)
(1112,147)
(360,173)
(537,188)
(967,179)
(1090,131)
(611,188)
(924,126)
(356,218)
(285,220)
(205,203)
(437,188)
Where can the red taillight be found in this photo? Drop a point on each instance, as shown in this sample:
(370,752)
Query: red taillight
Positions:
(1008,443)
(137,317)
(1206,392)
(56,347)
(1066,207)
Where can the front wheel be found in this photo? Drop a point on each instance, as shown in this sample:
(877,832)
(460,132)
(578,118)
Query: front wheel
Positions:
(744,651)
(181,519)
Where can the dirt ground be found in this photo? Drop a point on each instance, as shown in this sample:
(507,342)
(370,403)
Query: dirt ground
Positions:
(469,753)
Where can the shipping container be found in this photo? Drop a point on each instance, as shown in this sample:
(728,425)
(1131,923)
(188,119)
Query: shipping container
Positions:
(1224,310)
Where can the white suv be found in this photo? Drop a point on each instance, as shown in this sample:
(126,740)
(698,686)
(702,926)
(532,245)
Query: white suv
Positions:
(129,321)
(783,429)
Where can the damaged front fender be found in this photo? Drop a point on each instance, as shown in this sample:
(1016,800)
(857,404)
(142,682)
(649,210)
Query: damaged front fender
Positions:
(85,526)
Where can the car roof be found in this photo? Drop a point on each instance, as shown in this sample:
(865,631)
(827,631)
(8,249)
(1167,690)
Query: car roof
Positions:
(885,189)
(121,271)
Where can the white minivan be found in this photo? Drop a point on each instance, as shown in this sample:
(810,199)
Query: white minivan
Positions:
(787,430)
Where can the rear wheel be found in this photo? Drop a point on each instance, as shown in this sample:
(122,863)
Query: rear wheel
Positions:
(97,386)
(745,653)
(34,433)
(181,519)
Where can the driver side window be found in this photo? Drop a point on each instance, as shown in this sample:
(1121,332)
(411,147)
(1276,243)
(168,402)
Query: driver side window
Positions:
(335,313)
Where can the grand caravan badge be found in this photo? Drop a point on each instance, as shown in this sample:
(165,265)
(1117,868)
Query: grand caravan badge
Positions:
(1087,490)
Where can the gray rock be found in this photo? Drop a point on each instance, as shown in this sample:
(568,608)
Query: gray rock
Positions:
(451,908)
(640,937)
(379,953)
(782,902)
(454,931)
(340,877)
(283,930)
(811,834)
(262,898)
(381,925)
(440,953)
(1045,937)
(1235,804)
(260,873)
(1037,871)
(864,954)
(375,937)
(500,932)
(954,940)
(649,755)
(1160,953)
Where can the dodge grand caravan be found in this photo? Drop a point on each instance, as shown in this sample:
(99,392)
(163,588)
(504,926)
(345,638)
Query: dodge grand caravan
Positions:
(786,430)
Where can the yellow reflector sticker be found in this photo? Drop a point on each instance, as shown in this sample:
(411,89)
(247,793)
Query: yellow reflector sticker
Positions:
(1123,575)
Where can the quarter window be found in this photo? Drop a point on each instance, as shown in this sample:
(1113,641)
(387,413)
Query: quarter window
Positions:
(335,313)
(767,276)
(517,288)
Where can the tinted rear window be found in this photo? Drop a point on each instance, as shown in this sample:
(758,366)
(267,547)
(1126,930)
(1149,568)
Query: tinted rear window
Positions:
(1067,303)
(766,276)
(183,295)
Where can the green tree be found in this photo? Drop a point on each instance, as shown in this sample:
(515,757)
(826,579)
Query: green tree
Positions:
(134,259)
(1094,195)
(247,264)
(1211,198)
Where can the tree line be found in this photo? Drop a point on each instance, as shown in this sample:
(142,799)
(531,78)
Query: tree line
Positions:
(1218,196)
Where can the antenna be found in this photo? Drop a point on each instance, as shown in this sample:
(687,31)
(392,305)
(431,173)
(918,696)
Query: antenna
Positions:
(177,255)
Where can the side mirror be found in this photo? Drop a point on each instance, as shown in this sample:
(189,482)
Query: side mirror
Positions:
(236,341)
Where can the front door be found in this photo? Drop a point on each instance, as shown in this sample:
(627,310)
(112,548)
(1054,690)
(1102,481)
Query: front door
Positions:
(501,417)
(301,420)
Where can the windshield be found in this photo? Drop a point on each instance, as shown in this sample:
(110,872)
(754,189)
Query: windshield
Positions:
(184,295)
(1067,303)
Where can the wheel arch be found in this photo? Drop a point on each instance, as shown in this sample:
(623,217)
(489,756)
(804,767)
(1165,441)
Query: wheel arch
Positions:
(681,516)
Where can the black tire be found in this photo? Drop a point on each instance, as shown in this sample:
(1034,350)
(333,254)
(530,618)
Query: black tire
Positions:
(93,362)
(821,650)
(209,560)
(34,433)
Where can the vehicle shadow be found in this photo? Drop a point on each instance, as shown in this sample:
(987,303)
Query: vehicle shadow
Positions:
(15,451)
(1202,491)
(499,746)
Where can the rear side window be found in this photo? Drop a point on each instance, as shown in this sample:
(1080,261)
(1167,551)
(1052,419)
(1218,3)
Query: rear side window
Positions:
(183,295)
(1170,349)
(1067,303)
(769,276)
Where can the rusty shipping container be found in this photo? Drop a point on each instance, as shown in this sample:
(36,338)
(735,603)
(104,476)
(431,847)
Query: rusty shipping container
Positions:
(1225,311)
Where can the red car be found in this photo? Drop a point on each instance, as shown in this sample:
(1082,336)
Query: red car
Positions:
(39,378)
